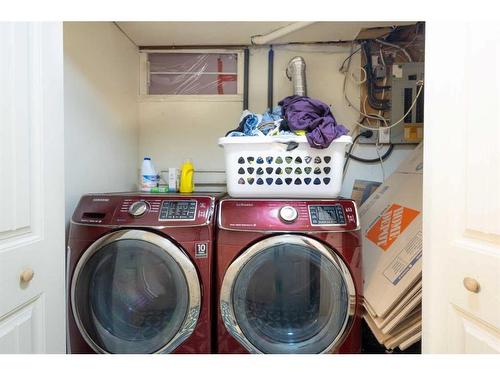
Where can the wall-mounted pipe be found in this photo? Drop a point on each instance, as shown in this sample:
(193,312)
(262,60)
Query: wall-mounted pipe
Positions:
(270,78)
(246,62)
(276,34)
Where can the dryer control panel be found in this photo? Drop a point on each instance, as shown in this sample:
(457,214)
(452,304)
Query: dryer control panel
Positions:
(332,214)
(175,210)
(167,211)
(145,210)
(275,215)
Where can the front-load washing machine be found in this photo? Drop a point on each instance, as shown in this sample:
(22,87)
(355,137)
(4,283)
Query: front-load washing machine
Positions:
(288,276)
(139,273)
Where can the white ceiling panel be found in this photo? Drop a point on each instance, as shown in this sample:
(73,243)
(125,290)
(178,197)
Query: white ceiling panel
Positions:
(332,31)
(237,33)
(195,33)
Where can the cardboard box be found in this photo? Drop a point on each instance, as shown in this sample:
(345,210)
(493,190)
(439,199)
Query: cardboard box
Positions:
(416,291)
(409,327)
(362,189)
(397,321)
(394,342)
(412,340)
(414,162)
(391,222)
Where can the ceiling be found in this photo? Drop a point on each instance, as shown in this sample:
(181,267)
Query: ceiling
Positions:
(238,33)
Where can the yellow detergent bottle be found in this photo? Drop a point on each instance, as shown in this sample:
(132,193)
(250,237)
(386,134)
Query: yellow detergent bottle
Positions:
(187,183)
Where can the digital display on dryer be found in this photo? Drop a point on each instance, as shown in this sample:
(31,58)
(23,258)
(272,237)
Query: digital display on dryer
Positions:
(183,210)
(327,215)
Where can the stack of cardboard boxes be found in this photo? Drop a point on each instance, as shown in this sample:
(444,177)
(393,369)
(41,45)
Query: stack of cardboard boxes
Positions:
(391,220)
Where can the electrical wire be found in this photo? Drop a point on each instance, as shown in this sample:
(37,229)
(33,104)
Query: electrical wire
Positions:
(348,153)
(379,157)
(379,117)
(397,47)
(360,81)
(348,57)
(377,150)
(421,86)
(380,112)
(411,41)
(367,117)
(348,100)
(417,33)
(372,86)
(382,60)
(346,97)
(359,49)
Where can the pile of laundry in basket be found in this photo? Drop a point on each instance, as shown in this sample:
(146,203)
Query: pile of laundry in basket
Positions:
(294,115)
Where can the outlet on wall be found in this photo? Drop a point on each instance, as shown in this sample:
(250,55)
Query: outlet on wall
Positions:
(384,135)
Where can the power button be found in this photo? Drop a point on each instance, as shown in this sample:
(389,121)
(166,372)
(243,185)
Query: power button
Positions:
(288,214)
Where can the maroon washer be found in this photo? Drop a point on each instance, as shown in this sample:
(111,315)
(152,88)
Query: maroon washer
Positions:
(139,273)
(288,276)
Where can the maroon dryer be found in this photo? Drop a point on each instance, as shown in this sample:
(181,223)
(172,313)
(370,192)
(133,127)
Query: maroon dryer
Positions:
(288,276)
(139,273)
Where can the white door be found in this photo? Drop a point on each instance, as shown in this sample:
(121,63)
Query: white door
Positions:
(461,262)
(32,255)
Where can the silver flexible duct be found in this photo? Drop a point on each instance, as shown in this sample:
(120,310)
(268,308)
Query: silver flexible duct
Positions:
(296,72)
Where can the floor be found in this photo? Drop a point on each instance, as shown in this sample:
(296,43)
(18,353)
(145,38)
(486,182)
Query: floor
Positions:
(370,344)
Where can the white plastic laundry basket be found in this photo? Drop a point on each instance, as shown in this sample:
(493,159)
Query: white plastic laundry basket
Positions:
(262,167)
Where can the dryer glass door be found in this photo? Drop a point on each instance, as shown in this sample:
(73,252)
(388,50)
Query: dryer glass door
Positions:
(135,292)
(288,294)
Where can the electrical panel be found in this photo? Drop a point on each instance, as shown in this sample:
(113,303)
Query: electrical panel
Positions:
(403,78)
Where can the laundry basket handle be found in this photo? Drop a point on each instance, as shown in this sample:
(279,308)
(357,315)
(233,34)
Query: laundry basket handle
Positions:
(290,145)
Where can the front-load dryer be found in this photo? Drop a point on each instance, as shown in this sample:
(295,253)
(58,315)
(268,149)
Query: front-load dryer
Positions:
(139,273)
(288,276)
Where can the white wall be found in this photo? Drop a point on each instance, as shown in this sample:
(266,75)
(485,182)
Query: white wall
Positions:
(101,70)
(173,131)
(324,81)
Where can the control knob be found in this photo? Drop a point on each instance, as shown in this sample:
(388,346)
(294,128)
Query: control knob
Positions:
(138,208)
(288,214)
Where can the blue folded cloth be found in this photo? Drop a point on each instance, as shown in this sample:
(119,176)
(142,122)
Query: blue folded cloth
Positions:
(235,134)
(252,124)
(273,115)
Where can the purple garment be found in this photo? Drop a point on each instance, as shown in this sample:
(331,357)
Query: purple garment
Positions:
(313,116)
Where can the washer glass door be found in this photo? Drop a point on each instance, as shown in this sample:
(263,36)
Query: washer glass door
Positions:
(131,295)
(287,294)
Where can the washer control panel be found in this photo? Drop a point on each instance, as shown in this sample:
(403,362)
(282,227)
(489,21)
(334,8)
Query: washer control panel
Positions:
(176,210)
